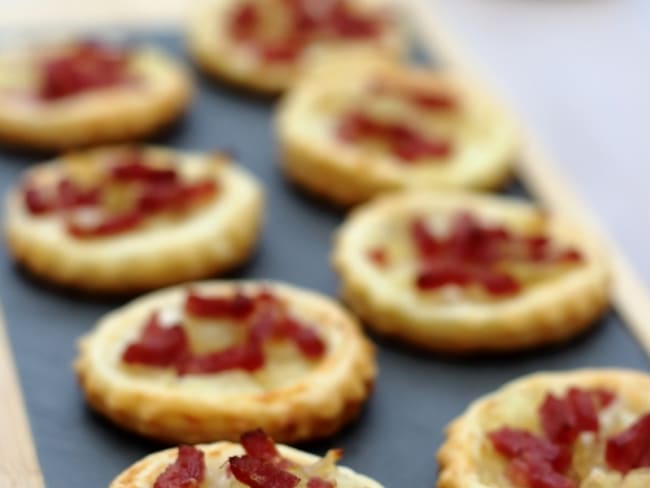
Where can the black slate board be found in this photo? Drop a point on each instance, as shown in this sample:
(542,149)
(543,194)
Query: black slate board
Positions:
(416,396)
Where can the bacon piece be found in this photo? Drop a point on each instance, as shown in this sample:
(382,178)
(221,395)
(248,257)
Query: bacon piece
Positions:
(257,473)
(514,443)
(631,448)
(378,256)
(343,22)
(174,196)
(248,357)
(88,66)
(319,483)
(531,472)
(188,471)
(37,201)
(405,143)
(244,22)
(237,307)
(137,170)
(67,195)
(259,445)
(433,101)
(307,340)
(106,226)
(157,345)
(563,419)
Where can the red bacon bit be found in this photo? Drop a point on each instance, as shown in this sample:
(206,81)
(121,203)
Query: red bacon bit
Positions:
(513,443)
(138,170)
(533,473)
(158,345)
(471,253)
(107,226)
(307,340)
(378,256)
(67,195)
(320,483)
(257,473)
(239,306)
(405,143)
(37,201)
(333,20)
(188,471)
(631,448)
(563,419)
(174,196)
(260,446)
(88,66)
(248,357)
(244,22)
(427,100)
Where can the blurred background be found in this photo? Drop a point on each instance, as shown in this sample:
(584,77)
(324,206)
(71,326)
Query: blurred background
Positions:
(577,71)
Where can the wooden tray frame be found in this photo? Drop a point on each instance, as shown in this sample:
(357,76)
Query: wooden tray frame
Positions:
(19,467)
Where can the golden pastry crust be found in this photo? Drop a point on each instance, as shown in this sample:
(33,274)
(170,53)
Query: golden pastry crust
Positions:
(144,473)
(211,239)
(290,398)
(212,48)
(468,461)
(117,114)
(549,311)
(484,139)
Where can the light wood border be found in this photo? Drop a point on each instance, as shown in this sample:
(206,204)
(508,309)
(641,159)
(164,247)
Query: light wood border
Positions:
(18,461)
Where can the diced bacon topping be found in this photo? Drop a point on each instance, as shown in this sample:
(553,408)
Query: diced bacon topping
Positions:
(188,471)
(405,143)
(378,256)
(259,445)
(157,189)
(257,473)
(87,66)
(238,307)
(434,101)
(543,461)
(263,317)
(563,419)
(631,448)
(307,22)
(158,345)
(320,483)
(473,253)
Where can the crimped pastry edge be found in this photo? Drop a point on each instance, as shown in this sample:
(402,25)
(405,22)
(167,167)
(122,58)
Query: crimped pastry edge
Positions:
(458,467)
(144,472)
(550,312)
(110,116)
(329,397)
(213,52)
(346,178)
(201,253)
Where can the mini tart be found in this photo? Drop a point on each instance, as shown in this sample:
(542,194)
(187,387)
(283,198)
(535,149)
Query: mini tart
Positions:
(216,456)
(209,237)
(355,126)
(43,106)
(292,397)
(468,459)
(217,50)
(562,301)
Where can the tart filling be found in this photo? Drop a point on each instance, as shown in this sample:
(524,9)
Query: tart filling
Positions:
(125,191)
(584,438)
(246,326)
(279,31)
(480,260)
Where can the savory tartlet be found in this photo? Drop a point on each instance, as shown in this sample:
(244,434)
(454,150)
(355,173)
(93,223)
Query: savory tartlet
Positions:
(80,93)
(579,429)
(126,219)
(463,273)
(264,44)
(358,125)
(256,462)
(213,360)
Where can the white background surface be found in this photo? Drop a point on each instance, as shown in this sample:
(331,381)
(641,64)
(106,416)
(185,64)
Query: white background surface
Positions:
(578,71)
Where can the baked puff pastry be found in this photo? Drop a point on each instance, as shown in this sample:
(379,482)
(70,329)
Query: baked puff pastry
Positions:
(580,429)
(124,219)
(463,273)
(213,360)
(82,93)
(263,45)
(257,462)
(355,126)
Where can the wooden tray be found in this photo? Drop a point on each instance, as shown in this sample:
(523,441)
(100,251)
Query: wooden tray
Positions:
(417,394)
